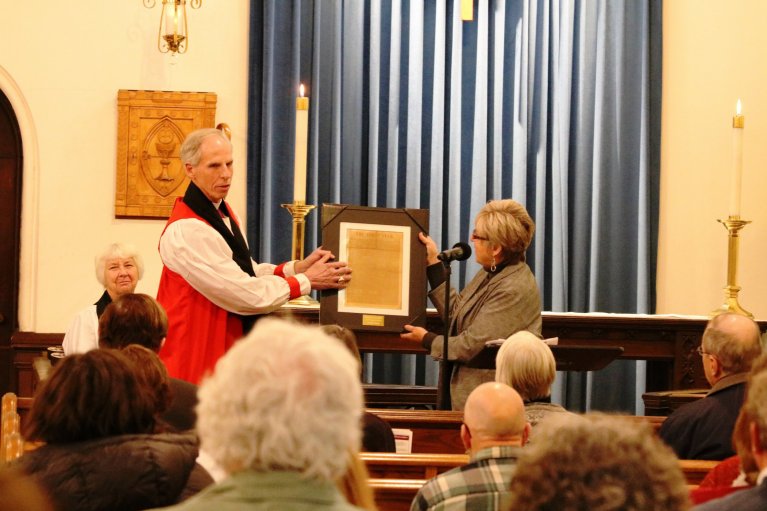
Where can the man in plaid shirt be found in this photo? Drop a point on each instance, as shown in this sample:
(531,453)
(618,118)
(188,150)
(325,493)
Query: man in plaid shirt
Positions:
(494,430)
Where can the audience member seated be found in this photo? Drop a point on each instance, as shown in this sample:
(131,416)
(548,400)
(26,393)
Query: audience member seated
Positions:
(118,269)
(732,474)
(494,431)
(756,416)
(740,471)
(139,319)
(152,370)
(525,363)
(95,414)
(280,414)
(702,430)
(377,435)
(597,462)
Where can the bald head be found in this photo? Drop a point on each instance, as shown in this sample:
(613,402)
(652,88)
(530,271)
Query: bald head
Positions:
(734,340)
(494,412)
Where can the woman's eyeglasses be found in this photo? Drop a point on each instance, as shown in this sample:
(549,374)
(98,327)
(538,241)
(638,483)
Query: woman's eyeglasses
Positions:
(476,237)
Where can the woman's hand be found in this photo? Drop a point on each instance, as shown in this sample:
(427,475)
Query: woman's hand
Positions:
(413,333)
(431,248)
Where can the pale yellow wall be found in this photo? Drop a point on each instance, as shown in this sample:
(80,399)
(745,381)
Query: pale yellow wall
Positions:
(68,59)
(713,53)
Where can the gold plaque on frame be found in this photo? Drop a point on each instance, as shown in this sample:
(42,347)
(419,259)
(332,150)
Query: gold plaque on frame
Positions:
(150,129)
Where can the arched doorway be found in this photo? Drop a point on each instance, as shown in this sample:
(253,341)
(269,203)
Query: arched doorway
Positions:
(11,166)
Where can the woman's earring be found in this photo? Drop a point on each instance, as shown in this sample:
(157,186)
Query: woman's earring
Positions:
(493,268)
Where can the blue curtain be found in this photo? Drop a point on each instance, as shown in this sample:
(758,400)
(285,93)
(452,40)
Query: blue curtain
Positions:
(553,103)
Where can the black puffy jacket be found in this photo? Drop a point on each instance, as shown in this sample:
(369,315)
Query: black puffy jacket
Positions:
(120,473)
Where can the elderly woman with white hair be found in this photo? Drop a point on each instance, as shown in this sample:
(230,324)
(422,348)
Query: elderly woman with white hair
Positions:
(525,363)
(280,415)
(118,268)
(501,299)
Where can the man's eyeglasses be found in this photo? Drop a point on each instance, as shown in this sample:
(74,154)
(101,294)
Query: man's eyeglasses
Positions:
(476,237)
(700,351)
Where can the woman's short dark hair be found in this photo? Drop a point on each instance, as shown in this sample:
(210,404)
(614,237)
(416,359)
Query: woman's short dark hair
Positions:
(91,395)
(133,319)
(150,367)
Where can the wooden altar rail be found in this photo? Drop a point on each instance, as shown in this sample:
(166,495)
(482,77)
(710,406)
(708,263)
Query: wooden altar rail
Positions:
(438,431)
(425,466)
(396,478)
(667,343)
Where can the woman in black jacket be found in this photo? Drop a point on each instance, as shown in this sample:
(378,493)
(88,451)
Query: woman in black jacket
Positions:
(96,415)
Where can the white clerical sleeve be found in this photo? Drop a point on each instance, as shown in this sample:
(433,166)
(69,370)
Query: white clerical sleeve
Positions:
(200,255)
(82,334)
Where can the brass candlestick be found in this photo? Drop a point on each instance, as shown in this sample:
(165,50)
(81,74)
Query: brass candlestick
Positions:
(733,224)
(299,210)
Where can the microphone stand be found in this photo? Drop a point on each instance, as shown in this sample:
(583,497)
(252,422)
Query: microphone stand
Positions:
(443,402)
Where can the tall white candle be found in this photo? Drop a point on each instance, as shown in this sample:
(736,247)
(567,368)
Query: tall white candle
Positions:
(170,15)
(737,160)
(302,147)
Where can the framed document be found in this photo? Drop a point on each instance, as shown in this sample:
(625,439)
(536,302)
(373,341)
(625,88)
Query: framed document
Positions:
(388,286)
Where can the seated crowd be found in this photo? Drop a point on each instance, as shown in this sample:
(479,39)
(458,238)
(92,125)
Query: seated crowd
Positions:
(280,422)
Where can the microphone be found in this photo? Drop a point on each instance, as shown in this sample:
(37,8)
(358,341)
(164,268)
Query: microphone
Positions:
(460,252)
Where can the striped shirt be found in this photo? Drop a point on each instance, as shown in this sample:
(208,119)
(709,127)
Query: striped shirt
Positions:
(482,484)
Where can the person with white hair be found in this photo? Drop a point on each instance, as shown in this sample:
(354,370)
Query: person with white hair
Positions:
(210,286)
(118,268)
(280,414)
(525,363)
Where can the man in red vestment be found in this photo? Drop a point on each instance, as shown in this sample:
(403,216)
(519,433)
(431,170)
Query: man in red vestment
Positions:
(210,285)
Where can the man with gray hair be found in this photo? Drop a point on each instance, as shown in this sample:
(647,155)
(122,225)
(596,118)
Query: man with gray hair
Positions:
(494,430)
(210,287)
(280,414)
(702,429)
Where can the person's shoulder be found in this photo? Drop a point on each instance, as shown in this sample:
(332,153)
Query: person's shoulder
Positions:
(182,385)
(86,313)
(752,499)
(188,223)
(691,410)
(82,333)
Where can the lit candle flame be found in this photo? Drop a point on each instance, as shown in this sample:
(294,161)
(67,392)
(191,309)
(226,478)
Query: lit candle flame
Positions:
(301,94)
(737,108)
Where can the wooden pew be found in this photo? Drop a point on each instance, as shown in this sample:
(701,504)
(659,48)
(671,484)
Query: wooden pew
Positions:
(437,431)
(396,478)
(695,470)
(434,431)
(395,494)
(382,396)
(387,465)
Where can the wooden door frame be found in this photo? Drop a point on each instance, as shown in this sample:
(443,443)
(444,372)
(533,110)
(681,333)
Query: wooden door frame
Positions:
(9,317)
(27,299)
